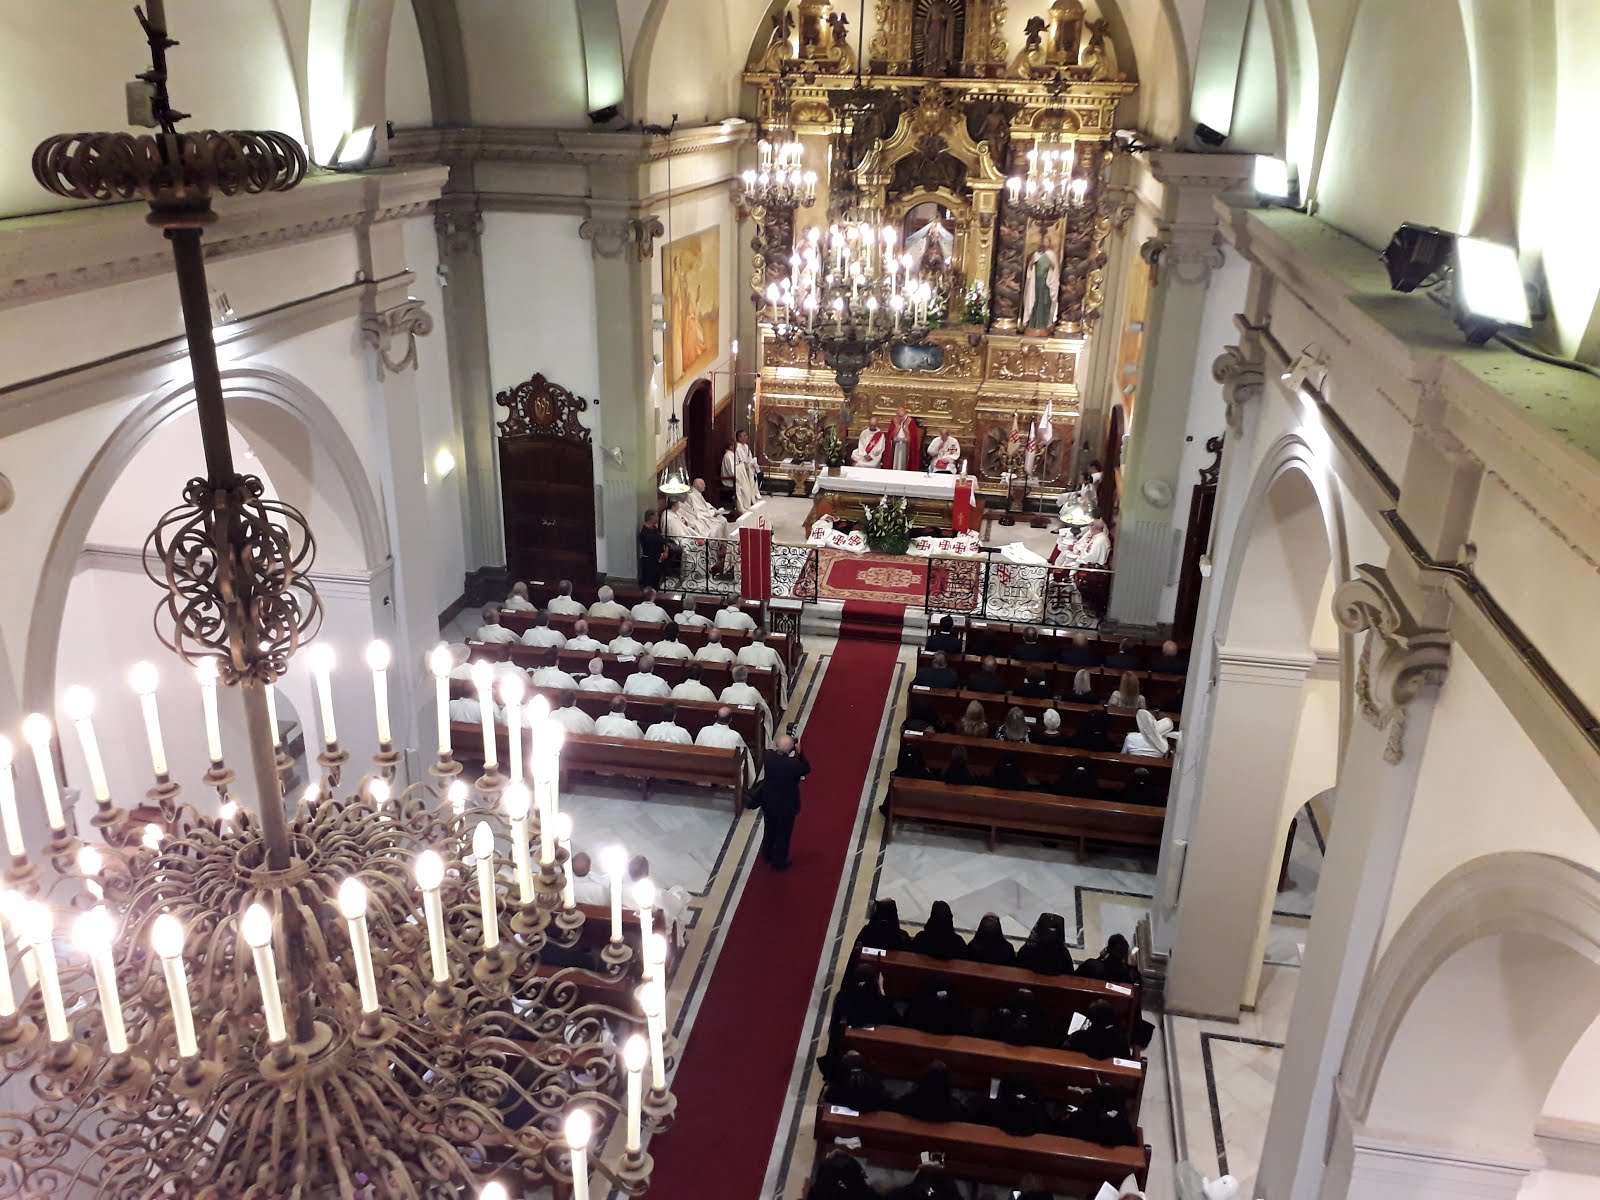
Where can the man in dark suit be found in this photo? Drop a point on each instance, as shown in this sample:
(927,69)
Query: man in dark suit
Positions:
(1171,661)
(784,768)
(1032,649)
(1124,659)
(988,679)
(946,638)
(937,674)
(652,550)
(1079,653)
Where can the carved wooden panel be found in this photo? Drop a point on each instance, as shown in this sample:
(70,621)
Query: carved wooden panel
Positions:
(546,482)
(538,408)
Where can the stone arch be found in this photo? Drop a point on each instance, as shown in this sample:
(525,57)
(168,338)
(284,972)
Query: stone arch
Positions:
(257,390)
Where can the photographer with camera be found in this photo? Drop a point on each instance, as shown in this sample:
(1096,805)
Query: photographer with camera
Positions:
(783,770)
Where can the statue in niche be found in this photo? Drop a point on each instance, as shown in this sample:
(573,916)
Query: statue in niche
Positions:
(938,37)
(1041,285)
(1066,19)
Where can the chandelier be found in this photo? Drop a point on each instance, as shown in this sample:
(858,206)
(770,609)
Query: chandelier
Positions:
(358,998)
(1048,191)
(780,182)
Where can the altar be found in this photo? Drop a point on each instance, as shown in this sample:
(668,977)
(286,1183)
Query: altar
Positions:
(848,494)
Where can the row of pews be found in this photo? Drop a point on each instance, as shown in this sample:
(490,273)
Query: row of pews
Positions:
(1004,638)
(1160,691)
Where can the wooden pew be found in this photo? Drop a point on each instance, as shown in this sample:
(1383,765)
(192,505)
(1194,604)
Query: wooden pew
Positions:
(693,715)
(1057,818)
(983,986)
(895,1052)
(1040,763)
(1001,638)
(950,705)
(982,1152)
(647,762)
(1161,692)
(603,629)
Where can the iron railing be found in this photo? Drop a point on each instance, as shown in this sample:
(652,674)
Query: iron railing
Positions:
(993,587)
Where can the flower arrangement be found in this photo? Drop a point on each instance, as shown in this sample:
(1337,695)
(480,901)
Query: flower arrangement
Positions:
(833,449)
(976,311)
(888,527)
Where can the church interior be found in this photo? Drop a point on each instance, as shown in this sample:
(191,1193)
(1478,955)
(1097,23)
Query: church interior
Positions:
(799,600)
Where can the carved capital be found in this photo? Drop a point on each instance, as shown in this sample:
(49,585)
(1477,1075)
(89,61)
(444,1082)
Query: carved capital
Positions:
(612,237)
(1189,256)
(1399,658)
(393,329)
(1241,378)
(458,227)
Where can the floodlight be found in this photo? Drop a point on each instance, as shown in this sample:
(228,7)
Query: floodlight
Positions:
(1415,255)
(1489,292)
(1275,181)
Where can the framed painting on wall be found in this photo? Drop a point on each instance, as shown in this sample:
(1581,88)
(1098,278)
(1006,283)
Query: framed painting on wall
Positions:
(691,270)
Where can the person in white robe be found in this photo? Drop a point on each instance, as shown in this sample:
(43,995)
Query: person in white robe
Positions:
(617,724)
(739,469)
(741,691)
(649,612)
(580,639)
(467,709)
(518,600)
(562,604)
(553,677)
(711,522)
(944,452)
(714,651)
(606,605)
(869,446)
(689,617)
(668,646)
(1098,552)
(722,734)
(693,686)
(541,634)
(667,728)
(570,717)
(625,642)
(675,523)
(492,631)
(732,616)
(463,669)
(645,682)
(903,436)
(756,653)
(590,885)
(596,681)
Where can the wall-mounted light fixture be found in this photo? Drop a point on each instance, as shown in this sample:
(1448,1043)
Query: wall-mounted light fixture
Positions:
(444,462)
(1276,182)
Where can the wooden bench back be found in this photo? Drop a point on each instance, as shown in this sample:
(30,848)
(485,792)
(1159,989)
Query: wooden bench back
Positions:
(1161,692)
(693,715)
(1038,813)
(715,676)
(1003,637)
(1042,764)
(949,705)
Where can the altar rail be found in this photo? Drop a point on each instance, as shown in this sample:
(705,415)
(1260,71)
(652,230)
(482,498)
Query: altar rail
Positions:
(710,567)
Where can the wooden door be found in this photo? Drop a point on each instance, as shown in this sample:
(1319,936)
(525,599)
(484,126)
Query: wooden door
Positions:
(701,453)
(1202,506)
(547,483)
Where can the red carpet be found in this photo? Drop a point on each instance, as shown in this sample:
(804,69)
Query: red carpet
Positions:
(872,621)
(735,1074)
(889,577)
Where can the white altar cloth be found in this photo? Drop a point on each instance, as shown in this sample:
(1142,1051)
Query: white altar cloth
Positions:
(882,481)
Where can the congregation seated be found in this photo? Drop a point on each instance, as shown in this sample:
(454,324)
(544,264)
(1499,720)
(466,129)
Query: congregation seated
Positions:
(1045,950)
(974,722)
(1034,684)
(1013,729)
(938,938)
(756,653)
(689,617)
(721,733)
(1124,659)
(1170,661)
(625,642)
(580,639)
(617,723)
(606,605)
(742,691)
(1031,650)
(491,630)
(562,603)
(1127,694)
(667,728)
(987,679)
(921,716)
(990,944)
(552,677)
(540,633)
(693,686)
(468,708)
(1049,731)
(518,600)
(597,680)
(945,638)
(732,616)
(667,646)
(1102,1036)
(1092,733)
(645,682)
(1076,779)
(1079,653)
(1113,964)
(937,674)
(883,930)
(714,651)
(1007,773)
(649,612)
(1017,1022)
(1142,789)
(1140,743)
(1082,687)
(570,717)
(957,771)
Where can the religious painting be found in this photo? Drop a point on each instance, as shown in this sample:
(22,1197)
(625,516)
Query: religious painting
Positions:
(927,356)
(691,270)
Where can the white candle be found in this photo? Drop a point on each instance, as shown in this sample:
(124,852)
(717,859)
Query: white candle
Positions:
(321,662)
(144,679)
(353,906)
(518,802)
(644,899)
(563,828)
(378,661)
(166,938)
(206,673)
(92,933)
(439,663)
(654,951)
(614,862)
(34,927)
(579,1129)
(634,1053)
(430,874)
(256,926)
(653,1001)
(36,732)
(512,691)
(483,681)
(8,1000)
(90,864)
(456,793)
(272,712)
(8,801)
(79,703)
(483,851)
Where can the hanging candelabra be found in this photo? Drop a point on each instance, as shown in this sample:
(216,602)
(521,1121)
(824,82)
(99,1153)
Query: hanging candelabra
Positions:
(356,997)
(780,182)
(1048,191)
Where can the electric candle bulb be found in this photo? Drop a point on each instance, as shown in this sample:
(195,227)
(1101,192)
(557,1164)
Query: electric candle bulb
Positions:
(90,864)
(256,927)
(8,801)
(513,690)
(206,673)
(36,731)
(493,1191)
(483,851)
(440,661)
(644,899)
(378,657)
(8,998)
(519,802)
(320,659)
(166,939)
(311,796)
(614,862)
(654,948)
(653,1003)
(33,925)
(378,791)
(483,681)
(92,933)
(353,907)
(79,703)
(563,834)
(229,812)
(635,1053)
(579,1129)
(152,836)
(430,874)
(456,793)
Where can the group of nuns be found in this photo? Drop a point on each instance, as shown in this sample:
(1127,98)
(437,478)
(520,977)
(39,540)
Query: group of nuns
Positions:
(840,1177)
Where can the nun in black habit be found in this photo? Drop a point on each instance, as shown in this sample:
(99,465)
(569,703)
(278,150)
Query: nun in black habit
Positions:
(1046,951)
(841,1177)
(990,944)
(938,938)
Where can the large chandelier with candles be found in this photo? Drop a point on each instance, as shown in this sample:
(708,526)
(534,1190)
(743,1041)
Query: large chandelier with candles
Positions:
(1048,190)
(780,181)
(367,995)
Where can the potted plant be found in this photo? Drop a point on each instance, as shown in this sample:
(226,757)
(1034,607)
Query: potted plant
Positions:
(833,452)
(888,526)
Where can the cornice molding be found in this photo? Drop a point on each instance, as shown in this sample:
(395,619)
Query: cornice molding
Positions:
(586,147)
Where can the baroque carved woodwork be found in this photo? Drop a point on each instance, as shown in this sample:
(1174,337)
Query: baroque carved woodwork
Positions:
(538,408)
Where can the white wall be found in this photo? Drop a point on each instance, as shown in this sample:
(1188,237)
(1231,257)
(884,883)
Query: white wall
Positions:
(524,62)
(406,75)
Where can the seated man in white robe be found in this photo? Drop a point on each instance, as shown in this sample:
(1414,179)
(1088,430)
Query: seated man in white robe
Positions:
(668,645)
(712,522)
(721,733)
(518,600)
(1098,551)
(617,723)
(463,669)
(541,634)
(606,605)
(491,630)
(731,616)
(589,883)
(714,651)
(645,682)
(467,708)
(562,603)
(625,642)
(569,716)
(648,611)
(693,686)
(944,452)
(870,446)
(678,522)
(580,639)
(741,691)
(756,653)
(667,728)
(596,681)
(689,618)
(553,677)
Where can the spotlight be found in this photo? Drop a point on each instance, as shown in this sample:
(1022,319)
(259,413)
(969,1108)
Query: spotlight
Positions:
(1276,182)
(1415,255)
(1208,136)
(1489,292)
(601,116)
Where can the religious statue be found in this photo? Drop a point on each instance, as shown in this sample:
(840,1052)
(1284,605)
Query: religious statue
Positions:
(1094,54)
(1039,290)
(939,48)
(905,439)
(1066,19)
(780,44)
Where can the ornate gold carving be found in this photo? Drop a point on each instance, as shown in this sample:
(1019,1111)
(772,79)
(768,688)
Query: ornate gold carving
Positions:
(1036,363)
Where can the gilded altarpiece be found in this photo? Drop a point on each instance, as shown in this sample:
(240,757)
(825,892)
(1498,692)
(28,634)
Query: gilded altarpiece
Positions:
(945,114)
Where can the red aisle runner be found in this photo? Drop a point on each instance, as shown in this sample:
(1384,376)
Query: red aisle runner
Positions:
(735,1074)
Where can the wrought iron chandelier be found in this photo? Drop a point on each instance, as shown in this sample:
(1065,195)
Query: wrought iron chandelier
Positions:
(353,999)
(1048,191)
(781,181)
